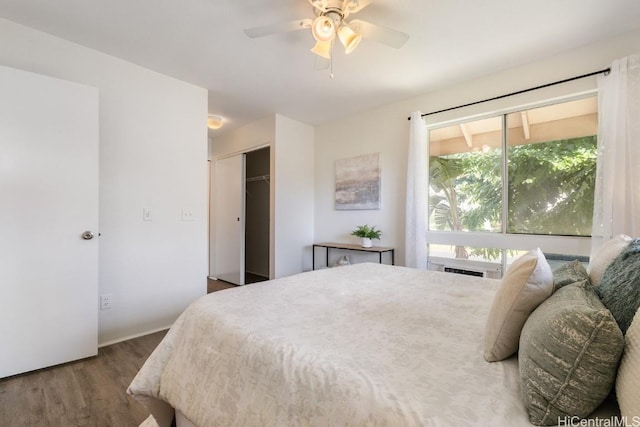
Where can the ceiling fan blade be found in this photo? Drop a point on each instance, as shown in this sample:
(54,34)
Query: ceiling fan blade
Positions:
(387,36)
(354,6)
(281,27)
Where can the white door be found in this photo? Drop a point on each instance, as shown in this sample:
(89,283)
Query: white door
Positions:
(48,198)
(229,219)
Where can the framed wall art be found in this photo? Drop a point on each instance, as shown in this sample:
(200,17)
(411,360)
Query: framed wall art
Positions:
(358,182)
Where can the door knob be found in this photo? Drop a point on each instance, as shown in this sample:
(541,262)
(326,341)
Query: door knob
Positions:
(87,235)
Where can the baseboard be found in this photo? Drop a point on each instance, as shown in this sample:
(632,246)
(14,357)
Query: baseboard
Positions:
(130,337)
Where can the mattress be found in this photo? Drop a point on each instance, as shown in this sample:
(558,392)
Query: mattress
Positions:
(365,344)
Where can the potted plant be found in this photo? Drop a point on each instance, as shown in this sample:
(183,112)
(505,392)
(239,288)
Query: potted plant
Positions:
(367,234)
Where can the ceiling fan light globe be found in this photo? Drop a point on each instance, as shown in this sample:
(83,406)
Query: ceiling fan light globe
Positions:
(322,49)
(323,29)
(349,38)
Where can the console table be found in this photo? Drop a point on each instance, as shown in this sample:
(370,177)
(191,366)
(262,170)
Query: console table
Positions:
(350,247)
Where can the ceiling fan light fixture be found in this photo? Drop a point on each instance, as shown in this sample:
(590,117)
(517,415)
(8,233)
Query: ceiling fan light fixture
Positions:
(349,38)
(214,122)
(322,49)
(323,28)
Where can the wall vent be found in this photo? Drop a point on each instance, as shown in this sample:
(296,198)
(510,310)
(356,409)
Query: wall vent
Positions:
(466,267)
(463,271)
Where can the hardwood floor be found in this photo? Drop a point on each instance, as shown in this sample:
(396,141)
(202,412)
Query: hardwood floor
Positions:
(218,285)
(90,392)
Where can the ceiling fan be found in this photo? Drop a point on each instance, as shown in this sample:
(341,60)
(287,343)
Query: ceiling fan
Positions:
(331,22)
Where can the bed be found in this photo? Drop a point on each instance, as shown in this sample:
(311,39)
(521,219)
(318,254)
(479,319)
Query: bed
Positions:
(365,344)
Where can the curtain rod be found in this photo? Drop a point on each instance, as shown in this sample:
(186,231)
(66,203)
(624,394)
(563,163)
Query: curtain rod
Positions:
(570,79)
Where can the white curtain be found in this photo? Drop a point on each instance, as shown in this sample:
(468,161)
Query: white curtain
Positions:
(617,192)
(416,207)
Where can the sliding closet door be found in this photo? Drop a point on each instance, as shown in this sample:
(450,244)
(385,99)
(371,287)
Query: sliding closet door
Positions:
(229,219)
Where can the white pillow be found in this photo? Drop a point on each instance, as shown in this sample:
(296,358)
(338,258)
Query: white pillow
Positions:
(604,256)
(628,379)
(527,282)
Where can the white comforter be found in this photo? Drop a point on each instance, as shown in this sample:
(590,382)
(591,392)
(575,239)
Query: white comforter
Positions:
(366,344)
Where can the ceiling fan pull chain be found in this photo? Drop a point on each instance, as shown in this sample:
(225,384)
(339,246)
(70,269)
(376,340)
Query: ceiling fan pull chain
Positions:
(331,62)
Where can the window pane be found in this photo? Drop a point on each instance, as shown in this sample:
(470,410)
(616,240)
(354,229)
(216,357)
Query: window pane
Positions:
(465,176)
(552,165)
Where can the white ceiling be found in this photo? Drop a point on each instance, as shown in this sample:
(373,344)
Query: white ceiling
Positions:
(202,42)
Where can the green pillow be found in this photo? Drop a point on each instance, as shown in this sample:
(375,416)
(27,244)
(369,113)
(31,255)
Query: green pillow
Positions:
(569,352)
(619,288)
(569,273)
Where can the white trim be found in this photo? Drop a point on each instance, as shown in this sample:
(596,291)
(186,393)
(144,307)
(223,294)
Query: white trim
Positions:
(569,245)
(504,214)
(243,151)
(130,337)
(467,264)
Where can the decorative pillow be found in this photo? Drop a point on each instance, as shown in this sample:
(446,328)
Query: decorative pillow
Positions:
(527,283)
(569,273)
(619,287)
(628,380)
(604,256)
(569,352)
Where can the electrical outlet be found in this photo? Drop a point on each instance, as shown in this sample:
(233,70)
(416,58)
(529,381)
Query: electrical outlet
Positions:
(105,301)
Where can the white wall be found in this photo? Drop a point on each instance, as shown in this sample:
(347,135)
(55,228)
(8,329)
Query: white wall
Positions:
(294,198)
(292,187)
(153,152)
(243,139)
(386,130)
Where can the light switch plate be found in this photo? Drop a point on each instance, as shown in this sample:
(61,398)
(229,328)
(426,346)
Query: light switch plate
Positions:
(147,215)
(187,215)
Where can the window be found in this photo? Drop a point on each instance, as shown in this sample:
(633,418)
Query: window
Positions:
(522,173)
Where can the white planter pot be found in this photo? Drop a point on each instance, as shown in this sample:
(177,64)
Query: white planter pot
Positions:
(366,242)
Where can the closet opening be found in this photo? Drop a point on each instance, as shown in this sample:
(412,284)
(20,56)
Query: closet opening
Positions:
(257,215)
(241,218)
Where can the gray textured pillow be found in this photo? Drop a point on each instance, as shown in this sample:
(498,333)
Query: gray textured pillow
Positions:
(569,273)
(605,255)
(569,352)
(619,288)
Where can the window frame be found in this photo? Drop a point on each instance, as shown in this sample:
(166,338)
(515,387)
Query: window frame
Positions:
(571,245)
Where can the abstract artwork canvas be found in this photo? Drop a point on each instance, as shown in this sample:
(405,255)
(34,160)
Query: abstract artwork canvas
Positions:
(358,182)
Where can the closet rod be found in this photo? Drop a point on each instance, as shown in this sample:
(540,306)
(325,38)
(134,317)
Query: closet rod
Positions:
(258,178)
(570,79)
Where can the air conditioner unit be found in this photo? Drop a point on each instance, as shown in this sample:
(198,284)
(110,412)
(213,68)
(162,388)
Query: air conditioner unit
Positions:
(469,268)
